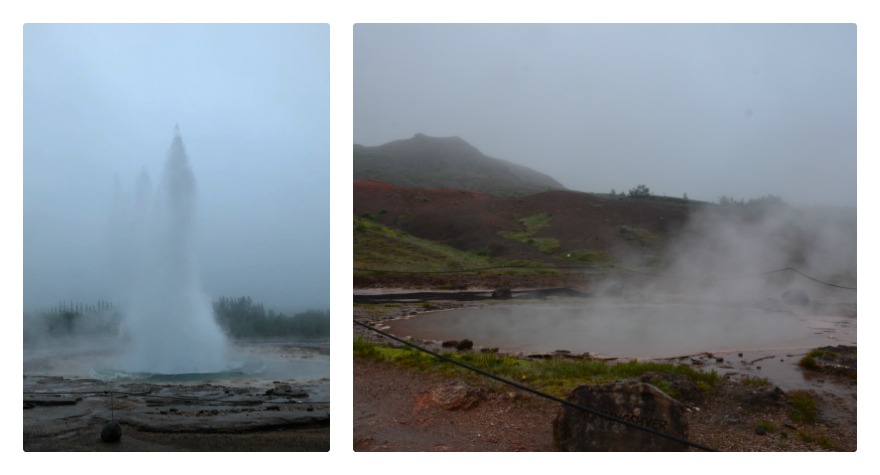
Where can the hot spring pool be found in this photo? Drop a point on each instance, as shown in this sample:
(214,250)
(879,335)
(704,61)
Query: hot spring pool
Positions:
(629,330)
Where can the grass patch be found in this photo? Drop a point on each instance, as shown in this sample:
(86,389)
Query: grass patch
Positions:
(534,224)
(554,376)
(803,406)
(809,362)
(378,247)
(821,440)
(755,382)
(589,256)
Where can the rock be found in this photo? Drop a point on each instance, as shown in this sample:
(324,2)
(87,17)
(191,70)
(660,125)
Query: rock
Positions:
(112,432)
(796,297)
(502,293)
(452,397)
(765,397)
(464,345)
(449,344)
(681,387)
(630,400)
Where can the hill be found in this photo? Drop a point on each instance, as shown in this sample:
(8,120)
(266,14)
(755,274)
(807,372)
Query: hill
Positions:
(554,227)
(446,162)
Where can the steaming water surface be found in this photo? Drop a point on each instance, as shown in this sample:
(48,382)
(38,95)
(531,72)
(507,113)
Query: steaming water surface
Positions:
(622,329)
(249,362)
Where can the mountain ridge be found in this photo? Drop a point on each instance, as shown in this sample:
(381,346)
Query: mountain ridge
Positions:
(449,163)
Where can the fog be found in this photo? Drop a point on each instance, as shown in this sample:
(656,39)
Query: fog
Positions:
(101,104)
(740,110)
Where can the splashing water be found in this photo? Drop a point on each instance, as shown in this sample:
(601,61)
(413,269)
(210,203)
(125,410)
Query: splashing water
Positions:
(170,320)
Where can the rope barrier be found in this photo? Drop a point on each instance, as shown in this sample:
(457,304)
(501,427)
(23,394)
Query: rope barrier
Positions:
(539,393)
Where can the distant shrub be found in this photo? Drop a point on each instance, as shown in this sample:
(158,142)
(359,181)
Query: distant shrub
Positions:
(640,191)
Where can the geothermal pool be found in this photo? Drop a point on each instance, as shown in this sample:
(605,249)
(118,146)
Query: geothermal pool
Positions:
(250,362)
(621,329)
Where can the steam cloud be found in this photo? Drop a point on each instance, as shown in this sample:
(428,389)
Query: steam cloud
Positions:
(168,316)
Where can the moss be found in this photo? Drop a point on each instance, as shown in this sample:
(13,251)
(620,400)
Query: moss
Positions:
(755,382)
(803,406)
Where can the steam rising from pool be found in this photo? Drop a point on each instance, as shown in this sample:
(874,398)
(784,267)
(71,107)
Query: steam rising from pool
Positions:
(169,319)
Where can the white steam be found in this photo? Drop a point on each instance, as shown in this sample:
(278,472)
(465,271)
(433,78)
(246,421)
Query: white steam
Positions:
(168,317)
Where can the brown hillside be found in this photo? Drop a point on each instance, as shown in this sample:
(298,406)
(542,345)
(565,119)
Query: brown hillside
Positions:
(578,227)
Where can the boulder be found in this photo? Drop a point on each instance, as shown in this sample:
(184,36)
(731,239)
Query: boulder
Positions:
(502,293)
(630,400)
(464,345)
(451,397)
(112,432)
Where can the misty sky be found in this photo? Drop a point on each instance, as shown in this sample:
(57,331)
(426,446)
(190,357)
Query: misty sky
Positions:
(707,110)
(252,102)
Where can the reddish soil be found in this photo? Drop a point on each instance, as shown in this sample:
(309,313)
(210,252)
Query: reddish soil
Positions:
(471,221)
(396,410)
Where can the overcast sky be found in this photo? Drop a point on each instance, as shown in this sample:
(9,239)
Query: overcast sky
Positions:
(707,110)
(252,102)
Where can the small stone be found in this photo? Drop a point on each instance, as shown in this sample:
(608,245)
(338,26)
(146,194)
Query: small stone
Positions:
(112,432)
(760,430)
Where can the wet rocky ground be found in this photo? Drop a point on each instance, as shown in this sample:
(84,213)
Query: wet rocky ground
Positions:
(749,411)
(62,414)
(276,399)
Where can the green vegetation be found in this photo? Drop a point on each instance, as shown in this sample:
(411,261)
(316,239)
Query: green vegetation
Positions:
(242,318)
(643,236)
(821,440)
(640,191)
(803,406)
(534,224)
(589,256)
(239,318)
(554,376)
(809,360)
(755,382)
(73,319)
(380,247)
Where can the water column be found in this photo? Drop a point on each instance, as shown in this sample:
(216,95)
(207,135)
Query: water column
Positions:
(170,319)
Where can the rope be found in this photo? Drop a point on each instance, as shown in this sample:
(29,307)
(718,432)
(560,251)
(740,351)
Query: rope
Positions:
(539,393)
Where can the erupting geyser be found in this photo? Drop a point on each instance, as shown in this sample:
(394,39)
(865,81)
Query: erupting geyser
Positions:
(170,320)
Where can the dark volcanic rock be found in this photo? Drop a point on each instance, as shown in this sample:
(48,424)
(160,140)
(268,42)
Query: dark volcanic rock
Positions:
(501,293)
(464,345)
(112,432)
(630,400)
(679,386)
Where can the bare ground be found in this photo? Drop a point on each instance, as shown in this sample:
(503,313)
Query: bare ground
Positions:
(399,409)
